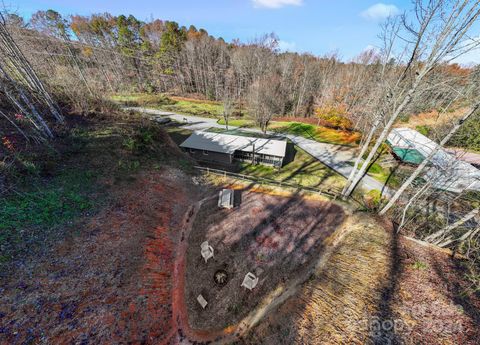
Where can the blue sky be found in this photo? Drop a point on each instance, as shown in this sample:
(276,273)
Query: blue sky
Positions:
(316,26)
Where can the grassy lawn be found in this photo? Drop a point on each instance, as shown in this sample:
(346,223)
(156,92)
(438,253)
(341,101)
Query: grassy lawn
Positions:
(194,107)
(142,99)
(317,133)
(239,132)
(304,170)
(181,105)
(382,174)
(238,123)
(212,109)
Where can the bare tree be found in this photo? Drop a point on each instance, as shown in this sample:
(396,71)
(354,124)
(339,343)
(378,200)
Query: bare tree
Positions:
(228,99)
(473,110)
(264,101)
(439,236)
(439,32)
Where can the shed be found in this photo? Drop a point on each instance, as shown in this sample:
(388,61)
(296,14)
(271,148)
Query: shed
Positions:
(410,146)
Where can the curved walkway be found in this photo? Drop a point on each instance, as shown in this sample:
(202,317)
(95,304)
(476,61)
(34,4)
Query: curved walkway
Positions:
(182,332)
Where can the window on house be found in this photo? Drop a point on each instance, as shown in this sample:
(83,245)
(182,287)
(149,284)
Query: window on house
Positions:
(205,153)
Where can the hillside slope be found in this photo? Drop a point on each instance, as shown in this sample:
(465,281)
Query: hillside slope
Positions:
(377,288)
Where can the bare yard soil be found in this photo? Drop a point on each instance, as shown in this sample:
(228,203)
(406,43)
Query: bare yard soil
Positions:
(276,238)
(377,288)
(110,284)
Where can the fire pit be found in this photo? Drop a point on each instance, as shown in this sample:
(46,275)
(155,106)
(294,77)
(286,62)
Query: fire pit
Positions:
(220,277)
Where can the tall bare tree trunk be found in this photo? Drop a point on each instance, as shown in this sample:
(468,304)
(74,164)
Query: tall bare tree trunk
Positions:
(438,236)
(422,165)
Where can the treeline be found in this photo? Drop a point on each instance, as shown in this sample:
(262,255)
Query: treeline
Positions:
(92,55)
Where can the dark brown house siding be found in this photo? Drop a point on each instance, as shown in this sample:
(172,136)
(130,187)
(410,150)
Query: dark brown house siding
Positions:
(210,156)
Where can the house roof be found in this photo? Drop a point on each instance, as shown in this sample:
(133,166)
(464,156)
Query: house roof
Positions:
(227,143)
(449,172)
(406,138)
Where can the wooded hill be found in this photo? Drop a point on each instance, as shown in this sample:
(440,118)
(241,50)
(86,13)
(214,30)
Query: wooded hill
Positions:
(84,57)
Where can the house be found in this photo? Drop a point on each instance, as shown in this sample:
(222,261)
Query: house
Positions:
(227,148)
(445,170)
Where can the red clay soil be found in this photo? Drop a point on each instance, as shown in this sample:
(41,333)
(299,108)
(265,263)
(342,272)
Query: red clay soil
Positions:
(113,282)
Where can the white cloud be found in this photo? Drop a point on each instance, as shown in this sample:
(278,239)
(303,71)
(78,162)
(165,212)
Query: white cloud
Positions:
(371,48)
(276,3)
(380,11)
(286,46)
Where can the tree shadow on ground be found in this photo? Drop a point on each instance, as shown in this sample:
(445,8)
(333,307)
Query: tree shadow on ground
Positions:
(336,304)
(382,332)
(277,238)
(457,292)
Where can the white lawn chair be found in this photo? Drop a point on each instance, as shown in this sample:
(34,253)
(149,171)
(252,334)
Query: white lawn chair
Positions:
(206,251)
(202,301)
(250,281)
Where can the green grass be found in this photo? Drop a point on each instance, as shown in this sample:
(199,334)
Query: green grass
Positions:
(304,170)
(419,265)
(142,99)
(382,174)
(237,122)
(239,132)
(56,203)
(32,215)
(317,133)
(194,108)
(174,104)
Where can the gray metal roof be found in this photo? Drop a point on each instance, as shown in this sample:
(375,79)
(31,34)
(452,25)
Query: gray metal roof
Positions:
(449,172)
(227,143)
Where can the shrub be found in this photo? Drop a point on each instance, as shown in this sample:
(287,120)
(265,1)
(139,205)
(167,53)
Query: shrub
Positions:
(424,129)
(373,199)
(333,118)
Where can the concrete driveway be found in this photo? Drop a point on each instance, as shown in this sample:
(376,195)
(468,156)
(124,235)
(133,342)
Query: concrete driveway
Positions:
(337,157)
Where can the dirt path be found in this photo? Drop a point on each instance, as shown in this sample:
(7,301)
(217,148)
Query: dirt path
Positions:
(184,333)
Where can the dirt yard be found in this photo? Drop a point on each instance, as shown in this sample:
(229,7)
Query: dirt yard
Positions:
(110,284)
(377,288)
(276,238)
